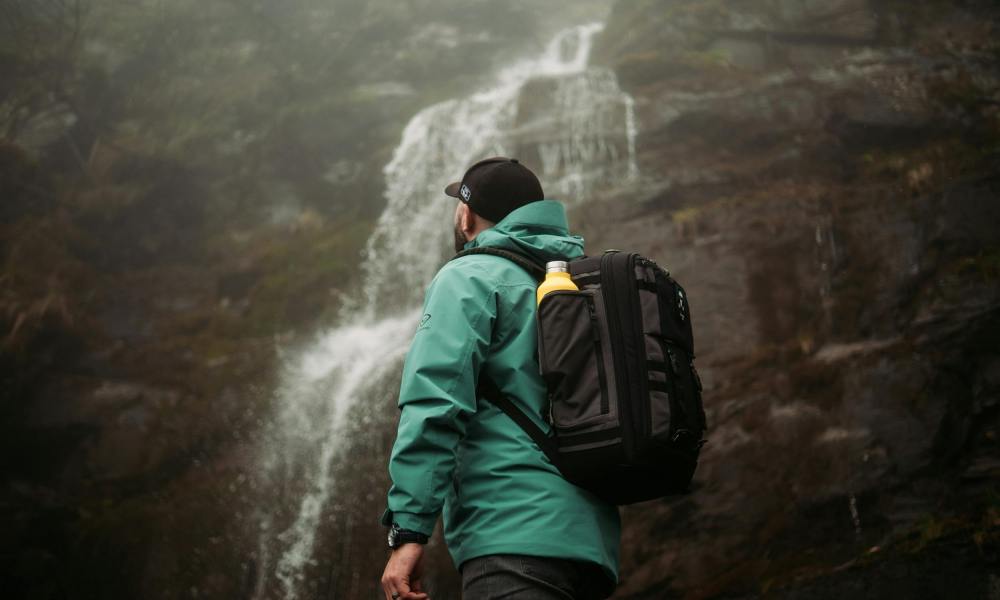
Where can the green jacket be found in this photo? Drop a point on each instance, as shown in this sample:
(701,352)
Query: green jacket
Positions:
(463,457)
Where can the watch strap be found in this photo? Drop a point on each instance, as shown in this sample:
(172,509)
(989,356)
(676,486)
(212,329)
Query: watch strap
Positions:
(399,536)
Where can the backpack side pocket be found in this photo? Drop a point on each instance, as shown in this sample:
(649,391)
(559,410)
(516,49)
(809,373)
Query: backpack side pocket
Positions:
(574,358)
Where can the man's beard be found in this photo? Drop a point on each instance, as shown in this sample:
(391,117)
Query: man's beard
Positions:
(459,240)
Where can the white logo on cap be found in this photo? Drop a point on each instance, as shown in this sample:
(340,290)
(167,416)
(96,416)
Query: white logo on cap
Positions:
(466,192)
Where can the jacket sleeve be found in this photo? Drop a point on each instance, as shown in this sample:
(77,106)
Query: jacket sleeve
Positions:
(437,393)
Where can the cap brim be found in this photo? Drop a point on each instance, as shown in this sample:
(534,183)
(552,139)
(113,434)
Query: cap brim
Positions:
(452,189)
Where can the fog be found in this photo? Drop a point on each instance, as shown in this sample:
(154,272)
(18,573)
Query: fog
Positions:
(219,218)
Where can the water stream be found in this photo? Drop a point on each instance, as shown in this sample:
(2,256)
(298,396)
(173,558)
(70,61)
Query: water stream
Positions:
(571,123)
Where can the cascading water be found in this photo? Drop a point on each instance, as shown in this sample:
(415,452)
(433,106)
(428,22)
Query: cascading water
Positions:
(553,112)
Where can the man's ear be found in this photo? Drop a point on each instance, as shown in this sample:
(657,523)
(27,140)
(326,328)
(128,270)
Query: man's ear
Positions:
(467,220)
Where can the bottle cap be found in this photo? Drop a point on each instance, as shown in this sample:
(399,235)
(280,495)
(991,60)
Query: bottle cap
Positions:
(557,266)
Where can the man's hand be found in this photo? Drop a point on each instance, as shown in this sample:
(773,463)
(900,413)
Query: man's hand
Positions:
(402,573)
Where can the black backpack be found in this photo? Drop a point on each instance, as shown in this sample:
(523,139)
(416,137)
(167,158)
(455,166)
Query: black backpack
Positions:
(617,357)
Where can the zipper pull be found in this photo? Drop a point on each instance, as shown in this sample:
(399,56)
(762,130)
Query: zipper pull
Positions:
(673,360)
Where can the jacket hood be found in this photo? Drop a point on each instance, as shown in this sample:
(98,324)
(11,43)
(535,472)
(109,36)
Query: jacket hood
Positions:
(538,229)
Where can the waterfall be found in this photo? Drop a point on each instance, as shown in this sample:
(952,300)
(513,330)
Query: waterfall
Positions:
(571,123)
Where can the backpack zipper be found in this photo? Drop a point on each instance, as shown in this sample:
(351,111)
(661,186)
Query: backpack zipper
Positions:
(643,419)
(617,352)
(599,356)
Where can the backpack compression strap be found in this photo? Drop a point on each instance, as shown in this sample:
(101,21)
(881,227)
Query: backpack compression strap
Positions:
(521,260)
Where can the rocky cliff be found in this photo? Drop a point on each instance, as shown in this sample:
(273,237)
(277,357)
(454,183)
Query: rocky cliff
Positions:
(186,189)
(823,177)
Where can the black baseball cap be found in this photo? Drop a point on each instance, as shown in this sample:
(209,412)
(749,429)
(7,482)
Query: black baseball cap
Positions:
(494,187)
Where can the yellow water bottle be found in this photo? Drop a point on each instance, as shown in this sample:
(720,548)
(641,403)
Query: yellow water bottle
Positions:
(556,278)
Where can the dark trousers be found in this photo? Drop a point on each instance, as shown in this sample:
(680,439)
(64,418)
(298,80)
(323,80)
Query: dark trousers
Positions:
(520,577)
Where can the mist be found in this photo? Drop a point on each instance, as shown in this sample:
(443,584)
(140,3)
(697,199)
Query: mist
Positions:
(219,219)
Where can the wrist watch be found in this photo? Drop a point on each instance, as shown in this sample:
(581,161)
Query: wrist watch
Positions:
(398,537)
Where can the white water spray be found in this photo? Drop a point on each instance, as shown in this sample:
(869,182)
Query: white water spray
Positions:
(574,123)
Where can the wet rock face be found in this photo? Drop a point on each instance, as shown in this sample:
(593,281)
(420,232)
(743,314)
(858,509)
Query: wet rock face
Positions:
(820,175)
(822,179)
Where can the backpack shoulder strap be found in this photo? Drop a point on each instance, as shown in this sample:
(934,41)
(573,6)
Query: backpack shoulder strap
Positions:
(489,390)
(533,268)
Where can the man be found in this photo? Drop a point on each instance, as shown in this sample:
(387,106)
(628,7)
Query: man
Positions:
(513,525)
